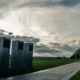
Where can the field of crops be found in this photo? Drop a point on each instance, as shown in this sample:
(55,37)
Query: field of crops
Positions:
(41,65)
(76,76)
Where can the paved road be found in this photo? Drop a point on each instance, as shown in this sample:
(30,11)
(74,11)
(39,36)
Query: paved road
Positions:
(64,72)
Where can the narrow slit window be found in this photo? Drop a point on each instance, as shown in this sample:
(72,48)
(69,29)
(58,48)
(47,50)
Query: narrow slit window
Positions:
(31,47)
(20,45)
(6,43)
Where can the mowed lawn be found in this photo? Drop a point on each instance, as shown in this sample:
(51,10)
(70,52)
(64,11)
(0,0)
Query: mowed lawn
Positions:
(42,65)
(76,76)
(46,64)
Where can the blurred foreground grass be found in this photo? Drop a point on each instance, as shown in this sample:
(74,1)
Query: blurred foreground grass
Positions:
(76,76)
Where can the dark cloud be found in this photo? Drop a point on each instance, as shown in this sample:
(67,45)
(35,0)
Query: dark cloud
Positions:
(28,39)
(69,2)
(35,40)
(4,3)
(50,3)
(42,3)
(45,49)
(64,47)
(55,48)
(68,48)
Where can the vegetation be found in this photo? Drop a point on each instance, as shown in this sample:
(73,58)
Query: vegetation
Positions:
(76,76)
(42,64)
(45,64)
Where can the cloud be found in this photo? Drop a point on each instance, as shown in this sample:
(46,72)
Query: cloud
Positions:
(8,6)
(5,6)
(69,2)
(63,47)
(28,39)
(47,21)
(67,48)
(45,49)
(55,49)
(58,49)
(50,3)
(4,3)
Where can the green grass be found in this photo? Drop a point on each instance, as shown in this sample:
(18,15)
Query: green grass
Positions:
(45,64)
(76,76)
(41,65)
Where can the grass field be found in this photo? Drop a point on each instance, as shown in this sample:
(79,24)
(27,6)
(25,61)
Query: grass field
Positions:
(41,65)
(76,76)
(45,64)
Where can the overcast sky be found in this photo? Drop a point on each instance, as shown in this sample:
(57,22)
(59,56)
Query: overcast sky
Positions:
(55,23)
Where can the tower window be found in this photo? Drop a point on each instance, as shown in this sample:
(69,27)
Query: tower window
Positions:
(31,47)
(20,45)
(6,43)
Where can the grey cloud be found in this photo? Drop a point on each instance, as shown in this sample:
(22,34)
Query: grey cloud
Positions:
(29,39)
(75,43)
(45,49)
(4,7)
(24,38)
(69,2)
(35,40)
(68,48)
(4,3)
(63,47)
(50,3)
